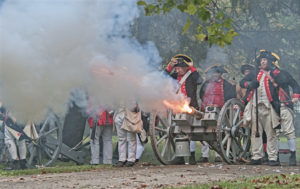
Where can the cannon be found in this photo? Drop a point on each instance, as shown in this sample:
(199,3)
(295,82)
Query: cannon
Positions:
(59,138)
(222,129)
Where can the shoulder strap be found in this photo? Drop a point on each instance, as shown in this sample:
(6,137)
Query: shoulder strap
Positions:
(186,75)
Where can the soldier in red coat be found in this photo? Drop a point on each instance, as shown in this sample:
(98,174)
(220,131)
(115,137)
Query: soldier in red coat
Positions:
(265,100)
(188,79)
(215,92)
(101,125)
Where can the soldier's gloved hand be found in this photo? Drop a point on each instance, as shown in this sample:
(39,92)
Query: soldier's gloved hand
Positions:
(253,85)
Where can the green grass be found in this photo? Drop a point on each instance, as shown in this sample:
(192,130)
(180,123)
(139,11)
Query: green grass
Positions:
(55,169)
(269,181)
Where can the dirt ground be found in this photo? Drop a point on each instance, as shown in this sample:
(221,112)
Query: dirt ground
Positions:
(144,176)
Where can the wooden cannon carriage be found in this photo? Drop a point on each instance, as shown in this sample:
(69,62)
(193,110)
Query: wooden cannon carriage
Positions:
(222,129)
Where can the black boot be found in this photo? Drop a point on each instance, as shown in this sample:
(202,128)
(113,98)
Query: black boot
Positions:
(274,163)
(120,164)
(292,160)
(203,160)
(13,166)
(192,159)
(255,162)
(23,164)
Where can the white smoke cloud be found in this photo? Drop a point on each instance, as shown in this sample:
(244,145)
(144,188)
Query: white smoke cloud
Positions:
(215,55)
(50,47)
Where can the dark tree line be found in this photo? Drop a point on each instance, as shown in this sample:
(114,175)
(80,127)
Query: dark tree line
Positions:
(261,24)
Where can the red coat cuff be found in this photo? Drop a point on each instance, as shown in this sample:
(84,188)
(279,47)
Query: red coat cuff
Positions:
(90,122)
(296,95)
(276,72)
(169,68)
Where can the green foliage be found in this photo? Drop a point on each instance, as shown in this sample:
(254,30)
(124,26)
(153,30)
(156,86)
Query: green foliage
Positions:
(186,26)
(216,28)
(191,8)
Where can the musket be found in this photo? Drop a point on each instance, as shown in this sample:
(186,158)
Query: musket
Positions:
(256,98)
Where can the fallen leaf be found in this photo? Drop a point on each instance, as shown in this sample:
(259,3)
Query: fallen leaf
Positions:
(255,181)
(283,175)
(216,187)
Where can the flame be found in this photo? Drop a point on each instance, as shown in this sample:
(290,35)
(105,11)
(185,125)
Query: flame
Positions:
(178,106)
(102,70)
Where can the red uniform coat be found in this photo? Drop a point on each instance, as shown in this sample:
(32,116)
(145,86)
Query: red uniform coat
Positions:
(104,118)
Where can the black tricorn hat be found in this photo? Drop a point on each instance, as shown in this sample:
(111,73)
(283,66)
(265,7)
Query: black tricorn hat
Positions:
(264,54)
(185,58)
(245,67)
(181,63)
(216,69)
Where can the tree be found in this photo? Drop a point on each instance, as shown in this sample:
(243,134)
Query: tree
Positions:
(215,27)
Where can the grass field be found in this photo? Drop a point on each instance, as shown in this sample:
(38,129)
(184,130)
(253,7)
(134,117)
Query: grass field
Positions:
(270,182)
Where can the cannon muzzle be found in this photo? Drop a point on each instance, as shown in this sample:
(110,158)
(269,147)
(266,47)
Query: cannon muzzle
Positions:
(198,115)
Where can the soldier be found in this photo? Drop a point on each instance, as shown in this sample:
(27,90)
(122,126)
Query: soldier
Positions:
(128,122)
(267,106)
(101,126)
(245,70)
(286,81)
(241,92)
(215,92)
(188,79)
(187,76)
(14,139)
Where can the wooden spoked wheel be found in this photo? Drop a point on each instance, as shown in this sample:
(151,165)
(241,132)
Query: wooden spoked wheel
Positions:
(162,139)
(233,137)
(45,148)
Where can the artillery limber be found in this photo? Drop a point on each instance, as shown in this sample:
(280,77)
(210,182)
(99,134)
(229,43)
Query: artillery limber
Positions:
(222,129)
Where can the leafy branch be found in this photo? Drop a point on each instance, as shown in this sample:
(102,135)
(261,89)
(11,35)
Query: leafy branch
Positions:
(214,26)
